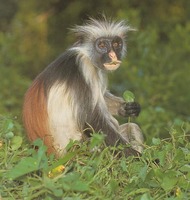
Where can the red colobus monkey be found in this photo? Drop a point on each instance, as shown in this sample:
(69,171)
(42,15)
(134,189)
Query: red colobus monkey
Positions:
(71,95)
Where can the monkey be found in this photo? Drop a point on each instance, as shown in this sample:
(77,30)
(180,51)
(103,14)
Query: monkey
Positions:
(70,96)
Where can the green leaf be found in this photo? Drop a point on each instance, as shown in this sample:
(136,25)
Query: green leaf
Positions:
(156,141)
(113,186)
(162,157)
(96,140)
(25,166)
(58,192)
(128,96)
(72,182)
(169,183)
(123,165)
(9,135)
(16,142)
(80,186)
(146,196)
(40,155)
(185,168)
(168,180)
(68,156)
(8,125)
(50,184)
(143,173)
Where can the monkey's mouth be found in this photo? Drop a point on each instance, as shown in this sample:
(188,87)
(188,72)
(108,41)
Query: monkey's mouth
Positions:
(112,65)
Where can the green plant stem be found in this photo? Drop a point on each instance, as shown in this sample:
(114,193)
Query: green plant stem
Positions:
(129,119)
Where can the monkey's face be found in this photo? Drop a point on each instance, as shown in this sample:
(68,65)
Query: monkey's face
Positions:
(108,52)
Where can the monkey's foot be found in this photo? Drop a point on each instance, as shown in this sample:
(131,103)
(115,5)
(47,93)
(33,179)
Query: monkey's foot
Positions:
(132,134)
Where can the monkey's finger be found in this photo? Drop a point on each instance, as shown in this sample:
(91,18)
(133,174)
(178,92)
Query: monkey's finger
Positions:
(133,112)
(132,105)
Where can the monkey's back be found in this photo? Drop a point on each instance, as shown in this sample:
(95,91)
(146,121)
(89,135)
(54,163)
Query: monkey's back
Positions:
(51,104)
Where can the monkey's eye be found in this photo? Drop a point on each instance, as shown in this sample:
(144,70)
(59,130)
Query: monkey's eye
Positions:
(117,43)
(101,45)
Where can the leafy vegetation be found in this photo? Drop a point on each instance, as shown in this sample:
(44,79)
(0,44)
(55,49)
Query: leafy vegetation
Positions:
(156,70)
(162,172)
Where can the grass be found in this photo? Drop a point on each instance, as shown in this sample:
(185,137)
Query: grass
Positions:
(86,172)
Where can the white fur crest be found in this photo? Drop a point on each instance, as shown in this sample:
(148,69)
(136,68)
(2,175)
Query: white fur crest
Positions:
(101,28)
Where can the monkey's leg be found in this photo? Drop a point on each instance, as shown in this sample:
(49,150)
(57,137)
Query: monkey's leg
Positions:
(132,134)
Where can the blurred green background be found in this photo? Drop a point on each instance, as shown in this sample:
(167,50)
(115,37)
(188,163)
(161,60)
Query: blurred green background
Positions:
(156,69)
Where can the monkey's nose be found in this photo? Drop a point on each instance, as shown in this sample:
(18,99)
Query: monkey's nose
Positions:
(112,55)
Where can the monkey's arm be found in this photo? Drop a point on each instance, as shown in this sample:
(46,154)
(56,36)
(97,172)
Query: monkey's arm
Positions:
(115,134)
(117,106)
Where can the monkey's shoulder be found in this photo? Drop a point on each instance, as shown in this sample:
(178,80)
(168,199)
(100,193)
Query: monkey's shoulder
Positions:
(66,59)
(64,69)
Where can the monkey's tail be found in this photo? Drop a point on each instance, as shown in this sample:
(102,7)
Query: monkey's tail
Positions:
(35,115)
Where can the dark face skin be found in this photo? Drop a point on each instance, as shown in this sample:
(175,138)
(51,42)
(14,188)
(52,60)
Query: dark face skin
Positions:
(108,52)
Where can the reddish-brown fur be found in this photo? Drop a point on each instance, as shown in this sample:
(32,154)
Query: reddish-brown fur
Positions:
(35,116)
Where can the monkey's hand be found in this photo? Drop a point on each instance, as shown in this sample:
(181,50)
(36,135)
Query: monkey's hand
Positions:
(130,109)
